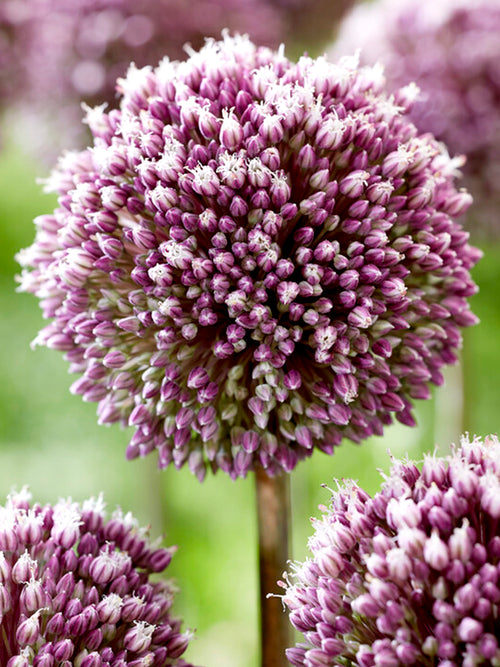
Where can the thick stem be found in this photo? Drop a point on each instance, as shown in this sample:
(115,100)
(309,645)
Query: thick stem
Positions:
(273,510)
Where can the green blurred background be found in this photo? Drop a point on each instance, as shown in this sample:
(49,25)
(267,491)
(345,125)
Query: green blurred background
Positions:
(50,440)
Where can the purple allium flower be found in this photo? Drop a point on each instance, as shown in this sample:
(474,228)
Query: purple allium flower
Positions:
(409,576)
(75,589)
(256,259)
(451,49)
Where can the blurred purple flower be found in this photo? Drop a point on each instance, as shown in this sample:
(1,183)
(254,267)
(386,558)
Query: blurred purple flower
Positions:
(59,53)
(451,49)
(410,576)
(256,258)
(75,589)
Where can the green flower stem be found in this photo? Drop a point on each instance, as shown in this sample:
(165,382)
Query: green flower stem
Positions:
(273,512)
(467,366)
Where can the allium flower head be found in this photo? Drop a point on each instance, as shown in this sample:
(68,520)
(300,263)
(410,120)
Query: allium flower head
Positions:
(409,576)
(255,259)
(451,50)
(75,589)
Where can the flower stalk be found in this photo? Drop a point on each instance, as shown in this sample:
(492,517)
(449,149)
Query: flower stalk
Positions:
(273,515)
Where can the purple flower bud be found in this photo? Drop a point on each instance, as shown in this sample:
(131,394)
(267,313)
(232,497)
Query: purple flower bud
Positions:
(138,638)
(19,660)
(28,630)
(44,660)
(55,625)
(470,630)
(354,184)
(63,650)
(32,596)
(178,644)
(24,569)
(92,660)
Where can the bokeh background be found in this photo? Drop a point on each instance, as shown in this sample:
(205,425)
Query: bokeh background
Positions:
(50,440)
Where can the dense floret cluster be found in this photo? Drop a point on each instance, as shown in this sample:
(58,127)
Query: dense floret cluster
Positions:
(451,50)
(409,576)
(255,259)
(76,589)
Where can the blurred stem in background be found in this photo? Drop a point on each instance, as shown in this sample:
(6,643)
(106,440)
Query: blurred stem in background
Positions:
(273,512)
(451,419)
(466,368)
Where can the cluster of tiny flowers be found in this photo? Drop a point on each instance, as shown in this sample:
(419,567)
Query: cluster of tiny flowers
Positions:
(410,576)
(255,259)
(64,52)
(75,589)
(451,50)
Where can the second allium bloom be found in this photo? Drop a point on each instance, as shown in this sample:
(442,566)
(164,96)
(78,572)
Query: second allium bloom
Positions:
(409,576)
(255,259)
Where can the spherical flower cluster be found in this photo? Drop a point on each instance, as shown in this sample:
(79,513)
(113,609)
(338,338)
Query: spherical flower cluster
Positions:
(75,589)
(64,52)
(256,259)
(410,576)
(451,50)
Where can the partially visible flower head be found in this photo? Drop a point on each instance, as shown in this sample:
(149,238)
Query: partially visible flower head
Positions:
(256,259)
(409,576)
(75,589)
(451,50)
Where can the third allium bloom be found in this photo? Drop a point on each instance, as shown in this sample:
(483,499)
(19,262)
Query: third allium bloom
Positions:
(78,588)
(409,576)
(256,258)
